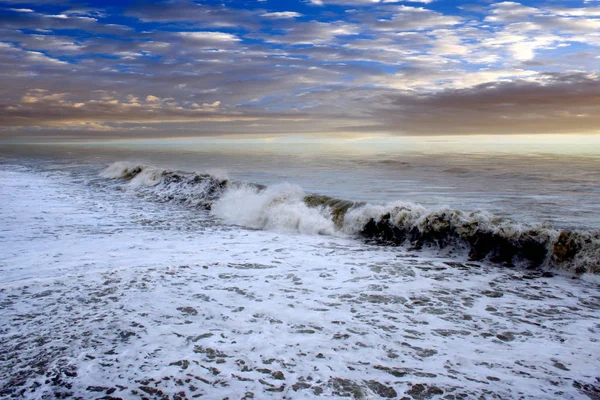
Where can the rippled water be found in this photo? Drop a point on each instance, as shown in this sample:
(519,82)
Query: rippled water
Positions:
(523,180)
(111,288)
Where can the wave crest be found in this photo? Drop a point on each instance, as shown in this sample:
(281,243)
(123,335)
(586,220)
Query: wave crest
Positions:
(280,207)
(193,189)
(284,207)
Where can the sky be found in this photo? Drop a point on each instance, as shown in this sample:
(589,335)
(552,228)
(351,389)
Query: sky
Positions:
(321,67)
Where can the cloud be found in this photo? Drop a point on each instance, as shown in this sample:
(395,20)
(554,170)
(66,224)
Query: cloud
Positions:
(312,32)
(357,65)
(509,11)
(407,18)
(191,12)
(576,12)
(14,56)
(560,103)
(34,20)
(38,106)
(209,39)
(281,15)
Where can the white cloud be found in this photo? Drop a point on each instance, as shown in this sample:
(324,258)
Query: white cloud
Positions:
(407,18)
(448,43)
(314,32)
(576,12)
(41,58)
(210,36)
(509,11)
(281,15)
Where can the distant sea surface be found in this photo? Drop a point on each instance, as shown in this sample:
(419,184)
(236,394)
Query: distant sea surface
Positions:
(548,179)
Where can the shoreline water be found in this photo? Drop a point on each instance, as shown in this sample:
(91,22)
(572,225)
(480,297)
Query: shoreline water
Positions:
(480,235)
(106,292)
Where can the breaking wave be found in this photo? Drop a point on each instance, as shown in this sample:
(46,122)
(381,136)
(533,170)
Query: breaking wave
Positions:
(285,207)
(166,185)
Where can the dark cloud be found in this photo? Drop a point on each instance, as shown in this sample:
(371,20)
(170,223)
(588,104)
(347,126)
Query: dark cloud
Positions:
(60,22)
(560,103)
(564,103)
(406,18)
(313,32)
(184,11)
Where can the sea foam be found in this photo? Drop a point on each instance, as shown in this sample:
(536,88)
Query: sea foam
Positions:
(285,207)
(279,207)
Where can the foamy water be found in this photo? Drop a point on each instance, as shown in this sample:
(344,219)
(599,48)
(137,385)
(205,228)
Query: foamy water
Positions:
(131,280)
(287,208)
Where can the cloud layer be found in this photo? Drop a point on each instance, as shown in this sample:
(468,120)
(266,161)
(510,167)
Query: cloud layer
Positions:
(328,66)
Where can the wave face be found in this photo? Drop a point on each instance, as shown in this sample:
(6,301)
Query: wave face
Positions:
(285,207)
(193,189)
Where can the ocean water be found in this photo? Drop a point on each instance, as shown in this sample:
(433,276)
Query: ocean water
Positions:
(191,268)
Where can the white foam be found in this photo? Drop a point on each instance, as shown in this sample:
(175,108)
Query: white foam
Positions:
(103,282)
(279,207)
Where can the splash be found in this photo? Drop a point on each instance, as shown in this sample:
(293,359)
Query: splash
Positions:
(287,208)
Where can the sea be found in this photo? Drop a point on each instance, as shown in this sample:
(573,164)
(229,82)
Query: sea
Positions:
(288,267)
